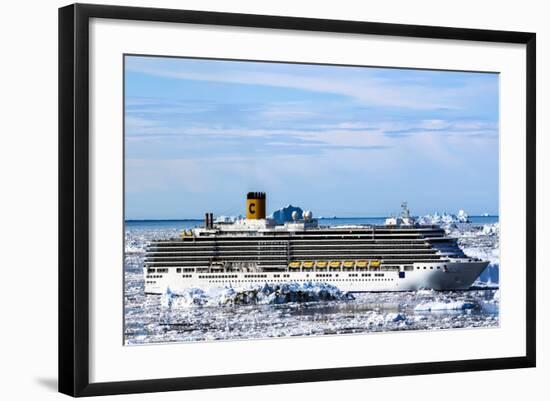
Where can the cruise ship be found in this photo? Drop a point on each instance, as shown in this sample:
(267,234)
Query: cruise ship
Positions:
(400,255)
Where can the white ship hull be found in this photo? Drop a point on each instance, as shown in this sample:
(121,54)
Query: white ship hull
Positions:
(449,275)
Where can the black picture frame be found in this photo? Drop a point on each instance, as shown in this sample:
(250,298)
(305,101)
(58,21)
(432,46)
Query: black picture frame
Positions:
(74,198)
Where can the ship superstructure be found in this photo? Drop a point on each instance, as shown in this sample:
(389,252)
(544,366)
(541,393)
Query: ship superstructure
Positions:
(400,255)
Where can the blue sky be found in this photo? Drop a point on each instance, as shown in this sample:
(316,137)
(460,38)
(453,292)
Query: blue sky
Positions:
(345,141)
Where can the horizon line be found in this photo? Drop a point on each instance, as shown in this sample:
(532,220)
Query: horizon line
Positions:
(319,218)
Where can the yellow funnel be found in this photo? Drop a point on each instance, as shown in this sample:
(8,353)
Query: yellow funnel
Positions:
(255,205)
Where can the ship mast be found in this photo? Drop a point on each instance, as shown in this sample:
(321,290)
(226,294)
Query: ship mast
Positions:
(405,210)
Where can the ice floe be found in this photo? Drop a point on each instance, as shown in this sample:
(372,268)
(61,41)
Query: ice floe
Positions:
(442,306)
(257,295)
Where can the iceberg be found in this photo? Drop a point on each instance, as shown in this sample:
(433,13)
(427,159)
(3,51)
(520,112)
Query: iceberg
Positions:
(445,219)
(284,214)
(462,217)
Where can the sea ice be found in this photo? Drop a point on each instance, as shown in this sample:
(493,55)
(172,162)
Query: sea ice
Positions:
(440,306)
(302,309)
(255,295)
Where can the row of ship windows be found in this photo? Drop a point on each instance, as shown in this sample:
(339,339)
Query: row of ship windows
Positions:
(229,276)
(366,275)
(351,275)
(236,276)
(179,270)
(336,279)
(165,270)
(183,276)
(220,276)
(259,275)
(226,276)
(431,267)
(157,270)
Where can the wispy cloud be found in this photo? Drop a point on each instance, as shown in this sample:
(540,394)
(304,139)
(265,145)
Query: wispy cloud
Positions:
(448,128)
(359,83)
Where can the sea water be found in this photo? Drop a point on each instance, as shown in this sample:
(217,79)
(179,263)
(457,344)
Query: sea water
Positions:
(224,315)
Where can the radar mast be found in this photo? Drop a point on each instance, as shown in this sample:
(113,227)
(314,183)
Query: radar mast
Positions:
(405,210)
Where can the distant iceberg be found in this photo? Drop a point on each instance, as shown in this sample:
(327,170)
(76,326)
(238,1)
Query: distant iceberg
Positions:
(284,214)
(445,219)
(463,217)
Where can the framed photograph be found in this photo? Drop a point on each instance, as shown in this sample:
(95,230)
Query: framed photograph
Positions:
(251,199)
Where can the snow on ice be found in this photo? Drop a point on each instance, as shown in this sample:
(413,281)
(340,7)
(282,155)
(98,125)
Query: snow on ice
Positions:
(256,295)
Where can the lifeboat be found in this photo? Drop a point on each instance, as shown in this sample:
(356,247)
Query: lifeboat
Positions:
(349,264)
(362,264)
(294,265)
(335,264)
(308,264)
(186,233)
(375,264)
(216,266)
(321,264)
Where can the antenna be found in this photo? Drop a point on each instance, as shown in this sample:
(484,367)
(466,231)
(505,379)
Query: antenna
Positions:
(405,210)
